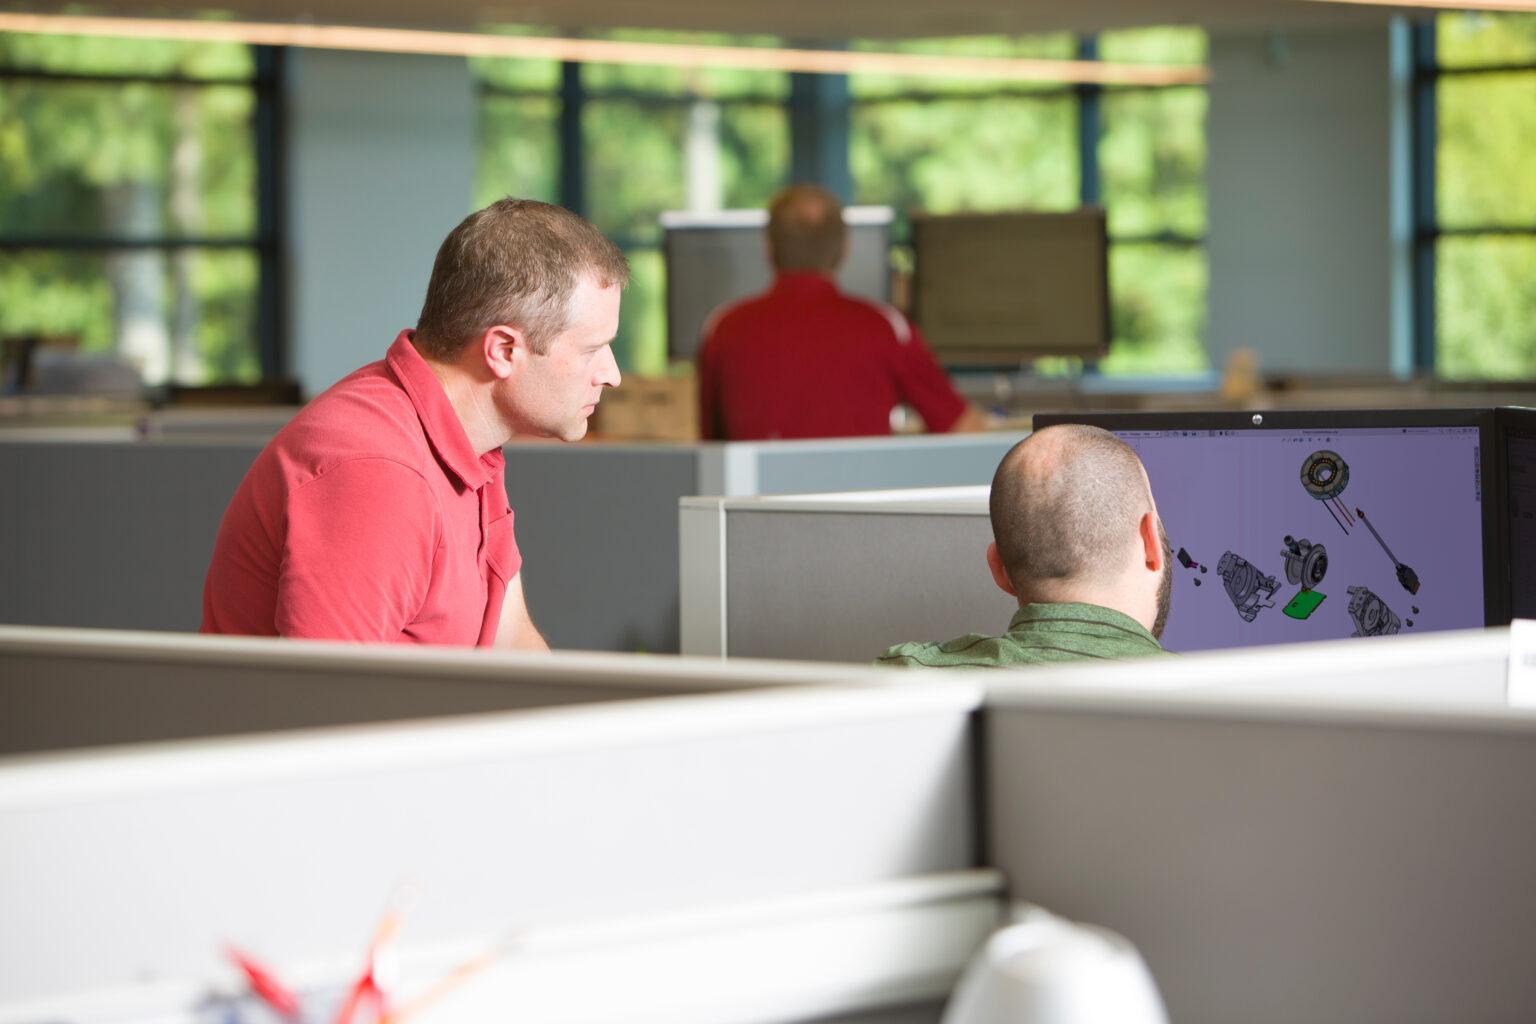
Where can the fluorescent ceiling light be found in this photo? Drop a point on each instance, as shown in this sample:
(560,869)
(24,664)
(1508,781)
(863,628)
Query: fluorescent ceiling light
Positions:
(1492,6)
(608,51)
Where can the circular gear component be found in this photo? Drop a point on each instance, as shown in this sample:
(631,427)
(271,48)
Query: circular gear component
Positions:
(1324,474)
(1306,563)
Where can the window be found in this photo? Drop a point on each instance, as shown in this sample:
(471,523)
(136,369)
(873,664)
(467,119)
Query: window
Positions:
(971,146)
(646,140)
(622,144)
(136,213)
(1476,195)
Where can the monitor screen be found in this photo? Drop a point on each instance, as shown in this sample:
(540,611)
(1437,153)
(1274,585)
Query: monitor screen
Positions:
(716,258)
(1300,530)
(997,289)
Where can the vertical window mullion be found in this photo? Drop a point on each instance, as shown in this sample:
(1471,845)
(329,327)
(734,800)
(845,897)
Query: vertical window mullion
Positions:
(269,129)
(1426,142)
(1090,128)
(573,163)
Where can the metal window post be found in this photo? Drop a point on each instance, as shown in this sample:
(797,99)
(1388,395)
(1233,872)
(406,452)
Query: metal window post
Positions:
(819,118)
(1426,142)
(573,163)
(270,131)
(1090,127)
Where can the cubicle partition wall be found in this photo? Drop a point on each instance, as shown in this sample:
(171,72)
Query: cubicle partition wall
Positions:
(836,577)
(66,688)
(773,851)
(117,534)
(1329,832)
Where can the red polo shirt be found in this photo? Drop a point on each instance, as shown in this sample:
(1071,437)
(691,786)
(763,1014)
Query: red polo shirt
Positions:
(805,360)
(369,517)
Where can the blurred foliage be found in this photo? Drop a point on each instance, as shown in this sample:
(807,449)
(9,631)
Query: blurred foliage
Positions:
(1485,298)
(519,149)
(1154,46)
(98,161)
(1157,310)
(517,75)
(1485,288)
(1152,161)
(1060,46)
(706,83)
(1485,174)
(951,155)
(1480,39)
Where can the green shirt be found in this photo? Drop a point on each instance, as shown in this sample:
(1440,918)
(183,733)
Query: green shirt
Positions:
(1038,633)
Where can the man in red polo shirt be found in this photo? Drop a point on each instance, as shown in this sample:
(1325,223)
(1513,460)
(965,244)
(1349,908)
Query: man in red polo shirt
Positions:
(805,360)
(379,513)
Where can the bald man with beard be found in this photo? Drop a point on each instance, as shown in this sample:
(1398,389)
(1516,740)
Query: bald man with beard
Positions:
(1077,540)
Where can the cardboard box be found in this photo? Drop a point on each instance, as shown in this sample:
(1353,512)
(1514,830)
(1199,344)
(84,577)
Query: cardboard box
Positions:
(649,409)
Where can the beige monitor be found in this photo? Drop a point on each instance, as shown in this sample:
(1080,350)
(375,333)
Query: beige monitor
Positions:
(994,289)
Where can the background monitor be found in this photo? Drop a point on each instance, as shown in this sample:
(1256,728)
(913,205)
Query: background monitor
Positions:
(715,258)
(997,289)
(1292,526)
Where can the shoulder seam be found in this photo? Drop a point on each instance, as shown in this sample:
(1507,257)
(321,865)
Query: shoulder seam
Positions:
(900,326)
(437,528)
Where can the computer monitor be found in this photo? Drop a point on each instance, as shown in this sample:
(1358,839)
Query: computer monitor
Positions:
(716,258)
(1291,526)
(997,289)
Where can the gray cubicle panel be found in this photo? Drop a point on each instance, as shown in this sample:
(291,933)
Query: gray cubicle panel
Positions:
(836,577)
(1327,832)
(789,854)
(67,688)
(112,534)
(116,534)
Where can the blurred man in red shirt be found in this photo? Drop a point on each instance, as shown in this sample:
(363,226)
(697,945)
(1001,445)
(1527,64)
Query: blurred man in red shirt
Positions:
(805,360)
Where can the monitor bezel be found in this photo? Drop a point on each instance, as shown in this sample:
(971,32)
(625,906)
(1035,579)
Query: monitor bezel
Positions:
(1493,428)
(1509,420)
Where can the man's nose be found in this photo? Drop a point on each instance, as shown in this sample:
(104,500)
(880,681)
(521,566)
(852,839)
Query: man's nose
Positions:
(608,369)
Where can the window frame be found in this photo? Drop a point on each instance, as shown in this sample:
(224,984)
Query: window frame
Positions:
(267,123)
(1428,232)
(827,126)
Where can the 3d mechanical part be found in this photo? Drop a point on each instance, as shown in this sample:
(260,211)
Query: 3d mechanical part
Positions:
(1406,576)
(1185,560)
(1304,603)
(1325,474)
(1305,563)
(1249,589)
(1371,614)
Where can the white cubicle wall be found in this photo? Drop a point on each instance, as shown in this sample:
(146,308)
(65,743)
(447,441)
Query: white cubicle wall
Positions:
(67,688)
(836,577)
(1323,832)
(115,533)
(798,852)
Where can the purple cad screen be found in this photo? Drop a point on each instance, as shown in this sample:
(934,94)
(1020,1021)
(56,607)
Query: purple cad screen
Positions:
(1289,535)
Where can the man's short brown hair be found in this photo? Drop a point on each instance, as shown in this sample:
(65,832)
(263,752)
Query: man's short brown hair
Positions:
(516,262)
(1066,515)
(805,229)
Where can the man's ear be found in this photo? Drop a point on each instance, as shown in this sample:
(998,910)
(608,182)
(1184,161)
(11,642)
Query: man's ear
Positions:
(498,346)
(999,573)
(1151,542)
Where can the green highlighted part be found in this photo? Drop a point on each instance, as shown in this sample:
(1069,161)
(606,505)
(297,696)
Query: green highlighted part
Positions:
(1304,604)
